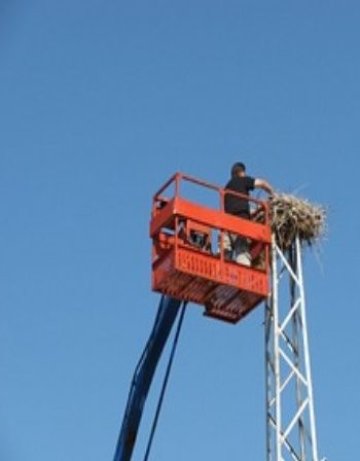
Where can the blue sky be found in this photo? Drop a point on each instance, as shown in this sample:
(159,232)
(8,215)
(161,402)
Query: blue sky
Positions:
(100,101)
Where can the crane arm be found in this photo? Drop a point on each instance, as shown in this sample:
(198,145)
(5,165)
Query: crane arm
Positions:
(143,375)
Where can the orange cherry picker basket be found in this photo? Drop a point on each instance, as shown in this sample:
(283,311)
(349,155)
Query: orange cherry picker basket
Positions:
(190,261)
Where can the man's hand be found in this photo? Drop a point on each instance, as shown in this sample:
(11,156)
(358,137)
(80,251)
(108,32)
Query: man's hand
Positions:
(264,185)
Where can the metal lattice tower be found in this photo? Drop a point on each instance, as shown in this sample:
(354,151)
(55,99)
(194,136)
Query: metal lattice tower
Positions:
(291,431)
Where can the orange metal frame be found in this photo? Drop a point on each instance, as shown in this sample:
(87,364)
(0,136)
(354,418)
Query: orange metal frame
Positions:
(189,261)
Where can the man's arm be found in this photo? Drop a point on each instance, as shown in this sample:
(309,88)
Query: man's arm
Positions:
(264,185)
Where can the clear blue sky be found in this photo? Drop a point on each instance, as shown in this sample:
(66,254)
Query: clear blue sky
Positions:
(100,101)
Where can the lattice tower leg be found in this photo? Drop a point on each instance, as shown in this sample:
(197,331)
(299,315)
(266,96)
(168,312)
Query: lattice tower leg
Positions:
(291,431)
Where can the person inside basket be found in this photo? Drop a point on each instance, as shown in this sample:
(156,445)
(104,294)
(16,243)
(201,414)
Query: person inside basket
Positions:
(237,247)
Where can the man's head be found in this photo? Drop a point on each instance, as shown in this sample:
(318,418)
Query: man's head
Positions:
(238,169)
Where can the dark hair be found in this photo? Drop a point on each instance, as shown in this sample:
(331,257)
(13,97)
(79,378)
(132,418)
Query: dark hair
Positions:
(238,167)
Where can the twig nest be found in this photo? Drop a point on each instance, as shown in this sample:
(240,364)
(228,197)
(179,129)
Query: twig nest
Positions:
(291,216)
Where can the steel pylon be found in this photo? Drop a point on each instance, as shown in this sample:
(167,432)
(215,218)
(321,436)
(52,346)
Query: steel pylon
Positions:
(291,429)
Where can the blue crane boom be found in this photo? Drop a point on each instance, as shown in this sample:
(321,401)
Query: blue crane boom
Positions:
(143,375)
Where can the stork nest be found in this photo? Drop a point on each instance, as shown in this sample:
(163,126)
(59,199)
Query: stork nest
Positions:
(291,216)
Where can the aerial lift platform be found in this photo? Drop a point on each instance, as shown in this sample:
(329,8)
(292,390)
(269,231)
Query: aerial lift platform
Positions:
(189,258)
(191,264)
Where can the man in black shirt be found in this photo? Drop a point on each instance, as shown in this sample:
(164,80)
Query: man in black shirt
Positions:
(238,247)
